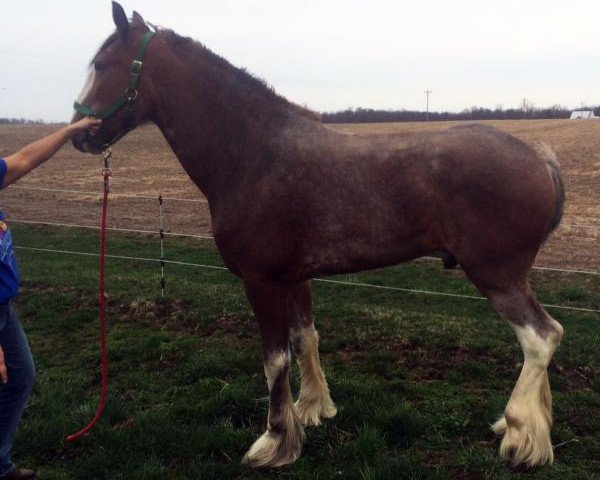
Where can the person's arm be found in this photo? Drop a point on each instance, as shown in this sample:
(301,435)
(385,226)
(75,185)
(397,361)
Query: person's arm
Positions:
(36,153)
(30,157)
(3,373)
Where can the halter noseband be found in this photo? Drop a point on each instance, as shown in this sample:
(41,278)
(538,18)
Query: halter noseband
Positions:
(128,96)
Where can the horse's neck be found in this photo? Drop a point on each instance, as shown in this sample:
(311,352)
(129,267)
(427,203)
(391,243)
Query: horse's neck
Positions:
(218,137)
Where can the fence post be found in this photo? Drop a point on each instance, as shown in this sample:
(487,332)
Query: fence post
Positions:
(162,247)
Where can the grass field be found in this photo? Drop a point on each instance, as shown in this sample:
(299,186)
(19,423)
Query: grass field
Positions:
(417,379)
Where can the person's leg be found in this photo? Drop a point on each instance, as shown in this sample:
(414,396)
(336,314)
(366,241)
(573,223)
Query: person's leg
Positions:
(14,393)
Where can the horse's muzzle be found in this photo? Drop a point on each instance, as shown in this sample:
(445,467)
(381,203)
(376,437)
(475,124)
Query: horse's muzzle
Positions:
(87,144)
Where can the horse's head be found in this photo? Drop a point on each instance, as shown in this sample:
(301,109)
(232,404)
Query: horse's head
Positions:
(115,91)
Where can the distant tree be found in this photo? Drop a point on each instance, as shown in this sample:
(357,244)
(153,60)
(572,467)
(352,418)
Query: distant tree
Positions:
(20,121)
(526,105)
(526,111)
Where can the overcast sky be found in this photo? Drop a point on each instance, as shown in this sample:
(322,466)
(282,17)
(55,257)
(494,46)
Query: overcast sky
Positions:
(327,54)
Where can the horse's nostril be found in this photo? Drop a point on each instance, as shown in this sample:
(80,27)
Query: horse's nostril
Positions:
(78,141)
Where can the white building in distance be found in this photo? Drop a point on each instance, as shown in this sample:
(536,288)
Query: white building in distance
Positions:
(582,114)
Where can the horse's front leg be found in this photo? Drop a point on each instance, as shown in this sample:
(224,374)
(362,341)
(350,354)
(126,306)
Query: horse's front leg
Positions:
(281,444)
(314,401)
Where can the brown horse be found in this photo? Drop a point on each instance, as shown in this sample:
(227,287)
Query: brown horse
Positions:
(290,199)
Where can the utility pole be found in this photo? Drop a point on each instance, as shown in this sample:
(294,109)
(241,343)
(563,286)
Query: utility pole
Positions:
(427,92)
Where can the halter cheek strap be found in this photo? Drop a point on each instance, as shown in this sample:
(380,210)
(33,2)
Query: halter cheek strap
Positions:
(128,96)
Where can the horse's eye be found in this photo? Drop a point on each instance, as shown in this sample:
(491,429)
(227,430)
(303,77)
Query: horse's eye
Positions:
(99,66)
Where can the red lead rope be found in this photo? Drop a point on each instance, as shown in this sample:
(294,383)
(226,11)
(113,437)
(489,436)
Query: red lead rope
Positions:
(106,173)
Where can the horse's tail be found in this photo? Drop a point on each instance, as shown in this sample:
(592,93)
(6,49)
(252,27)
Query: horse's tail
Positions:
(546,153)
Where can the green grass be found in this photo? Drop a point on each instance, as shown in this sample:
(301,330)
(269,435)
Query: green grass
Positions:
(417,379)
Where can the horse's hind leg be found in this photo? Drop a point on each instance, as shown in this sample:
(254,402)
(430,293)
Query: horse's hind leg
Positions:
(281,444)
(527,418)
(314,401)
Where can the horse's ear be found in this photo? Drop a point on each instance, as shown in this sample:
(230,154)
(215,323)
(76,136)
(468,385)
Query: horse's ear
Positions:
(120,19)
(137,20)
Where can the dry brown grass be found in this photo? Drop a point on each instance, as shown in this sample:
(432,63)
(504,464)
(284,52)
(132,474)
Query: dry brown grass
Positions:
(143,164)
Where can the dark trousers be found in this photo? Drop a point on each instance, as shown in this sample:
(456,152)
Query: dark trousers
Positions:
(14,393)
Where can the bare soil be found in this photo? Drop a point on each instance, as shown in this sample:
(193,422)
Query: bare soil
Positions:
(144,165)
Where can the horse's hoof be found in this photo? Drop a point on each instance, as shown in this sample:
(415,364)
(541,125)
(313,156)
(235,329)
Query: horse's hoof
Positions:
(526,443)
(273,450)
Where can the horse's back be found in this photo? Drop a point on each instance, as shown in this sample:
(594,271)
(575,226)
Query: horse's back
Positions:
(471,190)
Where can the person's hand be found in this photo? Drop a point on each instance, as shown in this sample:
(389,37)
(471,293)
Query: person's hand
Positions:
(91,124)
(3,371)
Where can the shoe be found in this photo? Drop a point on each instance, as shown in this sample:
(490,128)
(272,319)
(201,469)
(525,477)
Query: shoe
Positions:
(19,474)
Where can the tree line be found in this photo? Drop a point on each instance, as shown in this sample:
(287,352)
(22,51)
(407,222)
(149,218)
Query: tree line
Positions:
(20,121)
(527,111)
(370,115)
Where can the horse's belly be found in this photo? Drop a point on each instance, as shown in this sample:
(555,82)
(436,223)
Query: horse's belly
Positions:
(354,255)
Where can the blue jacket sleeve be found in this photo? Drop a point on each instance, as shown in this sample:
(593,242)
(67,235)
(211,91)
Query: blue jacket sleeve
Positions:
(3,169)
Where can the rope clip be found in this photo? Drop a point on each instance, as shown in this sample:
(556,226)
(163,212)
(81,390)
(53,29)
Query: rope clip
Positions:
(106,171)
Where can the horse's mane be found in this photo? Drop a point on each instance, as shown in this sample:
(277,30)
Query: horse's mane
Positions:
(240,74)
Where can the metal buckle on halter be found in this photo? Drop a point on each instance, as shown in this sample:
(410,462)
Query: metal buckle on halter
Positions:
(136,67)
(131,94)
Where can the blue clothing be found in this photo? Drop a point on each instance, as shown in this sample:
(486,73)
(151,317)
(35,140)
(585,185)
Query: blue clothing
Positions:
(14,393)
(9,272)
(17,355)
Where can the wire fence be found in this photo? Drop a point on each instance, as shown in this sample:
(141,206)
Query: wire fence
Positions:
(323,280)
(196,200)
(114,229)
(164,232)
(161,232)
(113,194)
(162,261)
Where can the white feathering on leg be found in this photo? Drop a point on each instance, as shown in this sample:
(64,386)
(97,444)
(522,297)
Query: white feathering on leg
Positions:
(282,443)
(528,415)
(314,401)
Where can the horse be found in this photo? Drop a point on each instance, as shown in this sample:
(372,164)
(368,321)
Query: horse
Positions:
(291,199)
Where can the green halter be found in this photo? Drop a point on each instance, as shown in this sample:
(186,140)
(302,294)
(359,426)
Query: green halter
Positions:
(127,98)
